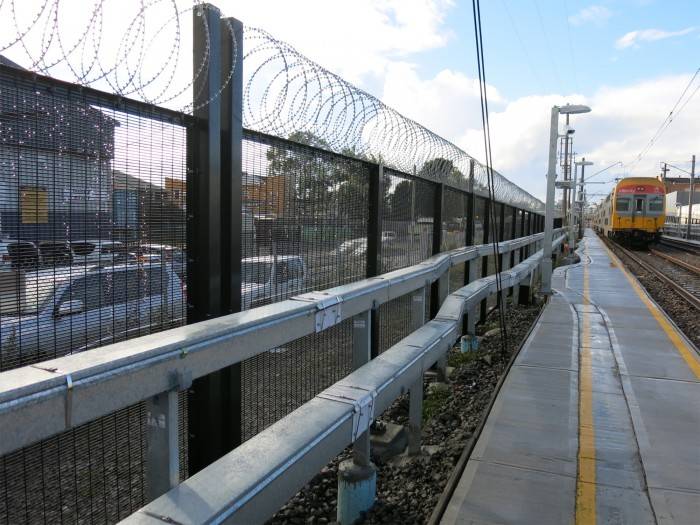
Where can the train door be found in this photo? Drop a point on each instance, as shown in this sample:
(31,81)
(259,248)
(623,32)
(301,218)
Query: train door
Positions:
(639,211)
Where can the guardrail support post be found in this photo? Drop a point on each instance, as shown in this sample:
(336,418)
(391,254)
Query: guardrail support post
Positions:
(357,477)
(415,394)
(162,445)
(505,266)
(516,286)
(361,339)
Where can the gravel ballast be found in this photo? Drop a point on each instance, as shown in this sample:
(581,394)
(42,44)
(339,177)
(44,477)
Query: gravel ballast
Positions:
(408,487)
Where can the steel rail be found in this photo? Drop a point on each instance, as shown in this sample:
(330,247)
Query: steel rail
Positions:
(681,244)
(250,483)
(45,399)
(678,262)
(680,290)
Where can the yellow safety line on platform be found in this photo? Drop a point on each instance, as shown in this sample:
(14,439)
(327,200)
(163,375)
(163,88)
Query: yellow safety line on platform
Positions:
(585,482)
(688,355)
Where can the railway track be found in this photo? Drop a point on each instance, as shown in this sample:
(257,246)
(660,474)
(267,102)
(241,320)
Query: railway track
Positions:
(679,277)
(680,244)
(678,262)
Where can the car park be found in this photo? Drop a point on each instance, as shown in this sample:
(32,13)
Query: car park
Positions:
(53,312)
(271,278)
(163,252)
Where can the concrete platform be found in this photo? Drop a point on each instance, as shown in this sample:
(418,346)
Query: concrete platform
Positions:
(599,418)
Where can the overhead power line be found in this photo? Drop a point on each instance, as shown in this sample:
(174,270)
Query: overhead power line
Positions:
(675,111)
(481,65)
(549,47)
(523,47)
(572,55)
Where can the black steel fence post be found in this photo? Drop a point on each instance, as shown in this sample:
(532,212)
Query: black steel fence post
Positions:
(437,289)
(374,241)
(469,266)
(231,217)
(485,260)
(214,225)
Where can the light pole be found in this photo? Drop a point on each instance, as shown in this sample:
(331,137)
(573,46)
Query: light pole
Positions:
(551,179)
(583,163)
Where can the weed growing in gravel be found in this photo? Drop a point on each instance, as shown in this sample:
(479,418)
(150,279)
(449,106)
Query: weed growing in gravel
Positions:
(434,401)
(457,359)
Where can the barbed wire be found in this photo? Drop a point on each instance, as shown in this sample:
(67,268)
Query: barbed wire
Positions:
(286,93)
(141,50)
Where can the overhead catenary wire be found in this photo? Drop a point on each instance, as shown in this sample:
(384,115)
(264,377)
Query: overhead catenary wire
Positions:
(481,66)
(675,111)
(549,47)
(572,55)
(523,47)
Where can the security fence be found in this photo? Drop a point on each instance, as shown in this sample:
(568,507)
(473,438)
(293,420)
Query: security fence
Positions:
(119,219)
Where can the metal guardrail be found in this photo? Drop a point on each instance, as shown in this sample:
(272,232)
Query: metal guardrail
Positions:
(242,487)
(42,400)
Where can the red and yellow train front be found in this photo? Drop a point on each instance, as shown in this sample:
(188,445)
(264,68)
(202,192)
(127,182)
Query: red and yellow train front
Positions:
(638,208)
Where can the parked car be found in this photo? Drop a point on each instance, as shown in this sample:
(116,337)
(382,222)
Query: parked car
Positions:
(58,311)
(358,247)
(350,246)
(19,255)
(268,279)
(99,251)
(163,252)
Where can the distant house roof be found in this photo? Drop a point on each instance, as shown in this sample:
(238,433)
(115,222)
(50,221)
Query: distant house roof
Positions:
(7,62)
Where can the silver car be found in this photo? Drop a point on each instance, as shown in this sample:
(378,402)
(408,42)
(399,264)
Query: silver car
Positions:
(48,313)
(269,279)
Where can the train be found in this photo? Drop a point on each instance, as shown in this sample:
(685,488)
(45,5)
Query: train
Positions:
(634,212)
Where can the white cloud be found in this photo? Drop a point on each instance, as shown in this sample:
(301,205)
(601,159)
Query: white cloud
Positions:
(596,14)
(621,123)
(648,35)
(443,104)
(357,39)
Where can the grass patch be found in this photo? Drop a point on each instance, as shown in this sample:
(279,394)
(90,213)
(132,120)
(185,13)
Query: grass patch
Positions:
(433,402)
(458,359)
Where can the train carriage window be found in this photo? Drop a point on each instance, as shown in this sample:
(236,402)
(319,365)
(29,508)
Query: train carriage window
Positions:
(622,204)
(656,204)
(639,204)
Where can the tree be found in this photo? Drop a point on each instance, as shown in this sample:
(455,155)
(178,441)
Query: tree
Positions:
(308,177)
(443,170)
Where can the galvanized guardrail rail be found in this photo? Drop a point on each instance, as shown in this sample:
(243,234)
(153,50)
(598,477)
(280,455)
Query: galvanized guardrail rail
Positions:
(42,400)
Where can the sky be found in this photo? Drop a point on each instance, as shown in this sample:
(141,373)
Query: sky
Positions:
(629,60)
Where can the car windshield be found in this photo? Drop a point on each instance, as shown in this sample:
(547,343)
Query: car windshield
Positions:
(256,272)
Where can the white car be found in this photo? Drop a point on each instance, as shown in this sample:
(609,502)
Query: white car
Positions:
(53,312)
(269,279)
(98,252)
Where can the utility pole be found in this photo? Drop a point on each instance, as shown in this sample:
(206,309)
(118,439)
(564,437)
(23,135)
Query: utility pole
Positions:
(583,165)
(565,194)
(664,171)
(690,197)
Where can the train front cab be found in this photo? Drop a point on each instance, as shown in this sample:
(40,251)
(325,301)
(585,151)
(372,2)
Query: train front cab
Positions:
(638,216)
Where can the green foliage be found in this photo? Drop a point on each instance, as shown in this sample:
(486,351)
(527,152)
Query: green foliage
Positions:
(458,359)
(433,402)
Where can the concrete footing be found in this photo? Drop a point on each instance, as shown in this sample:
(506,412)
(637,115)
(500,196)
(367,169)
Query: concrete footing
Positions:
(357,489)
